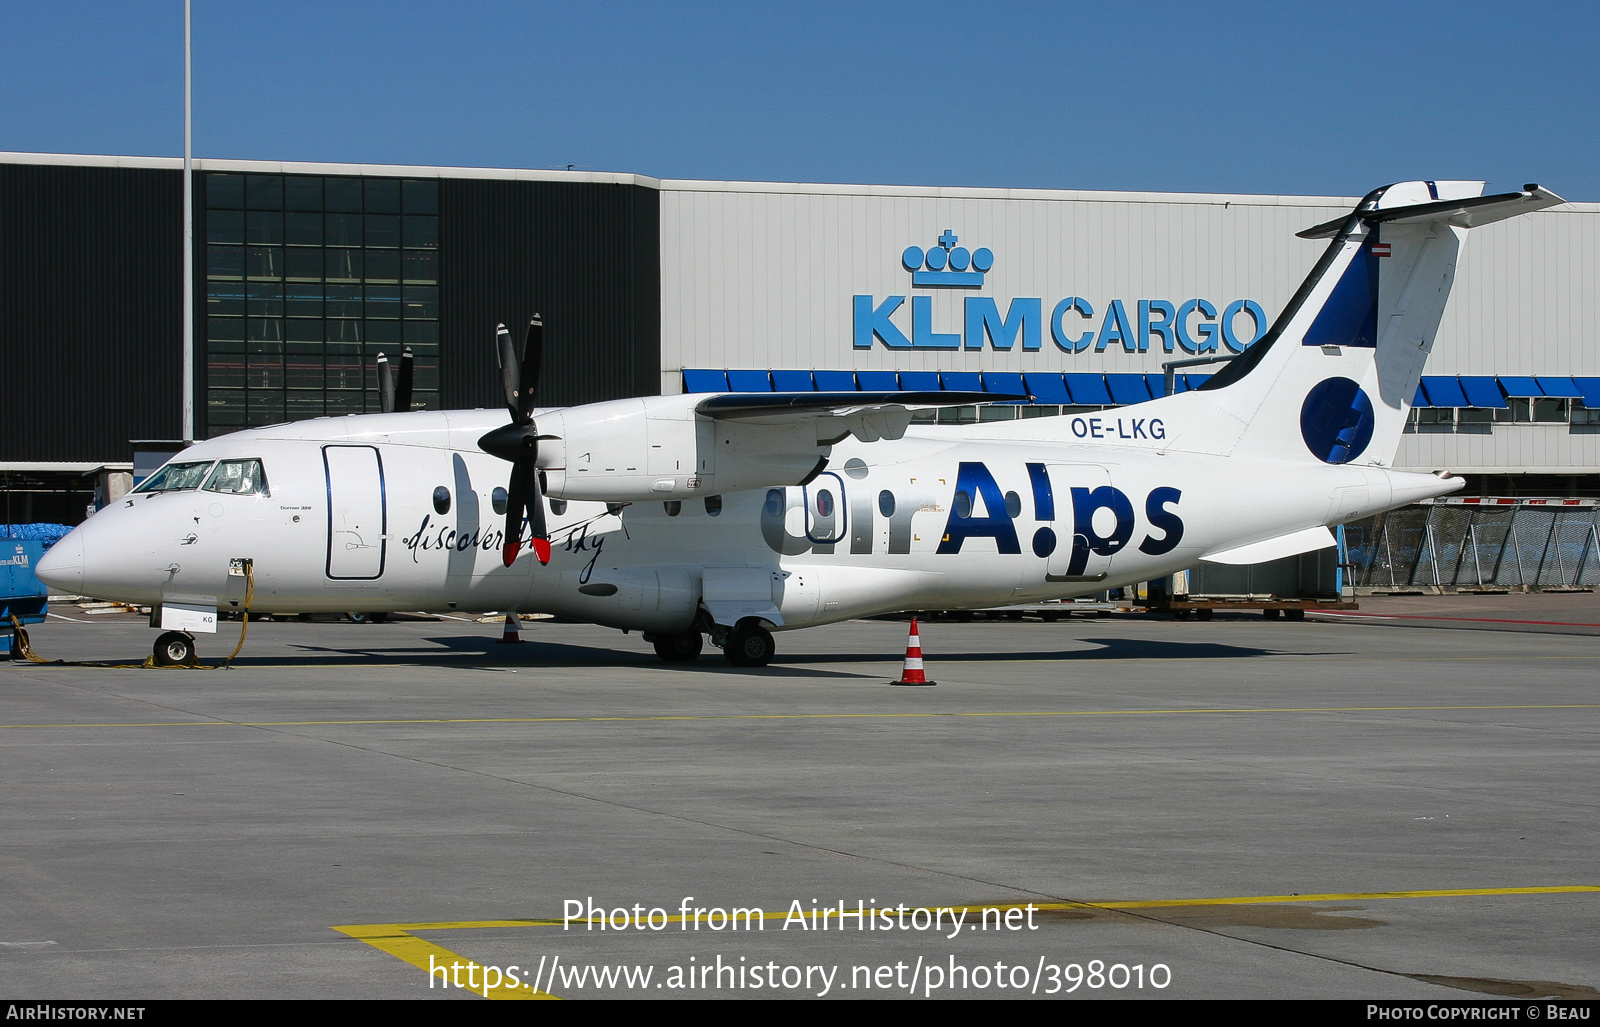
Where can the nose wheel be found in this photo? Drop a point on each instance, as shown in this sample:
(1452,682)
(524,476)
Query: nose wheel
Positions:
(174,649)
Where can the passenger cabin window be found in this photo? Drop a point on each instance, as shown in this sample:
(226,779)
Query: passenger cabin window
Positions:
(238,478)
(176,476)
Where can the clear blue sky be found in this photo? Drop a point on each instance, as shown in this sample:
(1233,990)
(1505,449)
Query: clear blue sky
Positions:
(1320,98)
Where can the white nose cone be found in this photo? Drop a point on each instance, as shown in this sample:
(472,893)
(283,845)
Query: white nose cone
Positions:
(62,567)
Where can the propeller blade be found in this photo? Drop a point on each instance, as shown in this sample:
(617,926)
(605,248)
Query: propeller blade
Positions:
(516,504)
(523,499)
(385,386)
(402,391)
(510,370)
(532,363)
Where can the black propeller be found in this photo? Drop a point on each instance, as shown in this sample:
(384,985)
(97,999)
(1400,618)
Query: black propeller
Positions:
(390,396)
(518,442)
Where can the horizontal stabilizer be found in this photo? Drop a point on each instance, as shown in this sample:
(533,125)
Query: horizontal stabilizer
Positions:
(743,406)
(1292,544)
(1469,212)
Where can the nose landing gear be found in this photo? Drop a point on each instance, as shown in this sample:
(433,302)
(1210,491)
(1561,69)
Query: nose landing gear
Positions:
(174,649)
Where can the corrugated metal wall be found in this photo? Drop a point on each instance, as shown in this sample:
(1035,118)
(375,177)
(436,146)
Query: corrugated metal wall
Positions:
(91,269)
(586,256)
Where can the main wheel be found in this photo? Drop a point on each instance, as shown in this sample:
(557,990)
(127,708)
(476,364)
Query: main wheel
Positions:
(1294,615)
(679,648)
(174,649)
(1202,614)
(749,647)
(1271,614)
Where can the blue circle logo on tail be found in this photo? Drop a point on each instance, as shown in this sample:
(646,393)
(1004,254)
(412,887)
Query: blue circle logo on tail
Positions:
(1336,420)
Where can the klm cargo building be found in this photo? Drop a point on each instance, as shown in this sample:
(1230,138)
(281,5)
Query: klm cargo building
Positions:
(304,272)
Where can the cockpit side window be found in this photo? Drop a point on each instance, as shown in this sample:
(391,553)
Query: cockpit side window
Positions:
(238,478)
(176,476)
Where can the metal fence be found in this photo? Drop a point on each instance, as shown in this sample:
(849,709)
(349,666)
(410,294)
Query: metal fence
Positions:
(1538,544)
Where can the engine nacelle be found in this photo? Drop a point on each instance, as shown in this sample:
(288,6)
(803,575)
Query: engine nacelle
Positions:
(658,448)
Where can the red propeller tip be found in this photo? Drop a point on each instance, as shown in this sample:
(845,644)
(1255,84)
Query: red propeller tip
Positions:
(541,548)
(508,555)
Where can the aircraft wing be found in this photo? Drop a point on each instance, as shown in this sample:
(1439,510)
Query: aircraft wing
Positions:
(869,416)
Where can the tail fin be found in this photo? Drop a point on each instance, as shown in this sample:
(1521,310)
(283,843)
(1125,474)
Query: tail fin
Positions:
(1343,360)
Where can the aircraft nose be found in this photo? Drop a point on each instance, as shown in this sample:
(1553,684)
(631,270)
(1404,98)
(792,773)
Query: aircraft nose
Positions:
(62,567)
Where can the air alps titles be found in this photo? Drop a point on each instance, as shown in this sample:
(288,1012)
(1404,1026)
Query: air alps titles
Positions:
(864,915)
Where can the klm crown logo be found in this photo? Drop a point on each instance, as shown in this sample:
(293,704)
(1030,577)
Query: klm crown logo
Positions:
(947,264)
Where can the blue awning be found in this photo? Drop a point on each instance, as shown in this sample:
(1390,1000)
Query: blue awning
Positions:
(835,381)
(1482,392)
(1421,398)
(1128,388)
(1444,392)
(1157,384)
(1006,383)
(1560,388)
(877,381)
(703,380)
(1520,387)
(961,381)
(1194,381)
(919,381)
(791,381)
(1047,387)
(750,381)
(1590,388)
(1088,390)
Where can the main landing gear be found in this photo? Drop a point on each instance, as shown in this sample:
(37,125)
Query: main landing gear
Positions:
(174,649)
(748,645)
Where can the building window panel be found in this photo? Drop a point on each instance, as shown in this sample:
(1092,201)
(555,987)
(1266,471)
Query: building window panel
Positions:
(346,402)
(264,226)
(383,195)
(343,334)
(225,329)
(263,192)
(344,265)
(225,406)
(421,196)
(264,408)
(264,371)
(224,298)
(303,264)
(422,302)
(342,194)
(302,192)
(302,229)
(225,261)
(383,301)
(225,226)
(343,371)
(381,334)
(225,370)
(422,233)
(344,301)
(343,229)
(264,262)
(422,334)
(303,370)
(305,330)
(303,403)
(422,266)
(264,299)
(303,299)
(383,266)
(383,230)
(224,190)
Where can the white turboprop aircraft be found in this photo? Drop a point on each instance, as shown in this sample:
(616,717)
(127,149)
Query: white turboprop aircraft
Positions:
(734,515)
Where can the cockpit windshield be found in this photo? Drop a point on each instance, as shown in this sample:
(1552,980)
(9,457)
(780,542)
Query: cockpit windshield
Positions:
(238,478)
(176,476)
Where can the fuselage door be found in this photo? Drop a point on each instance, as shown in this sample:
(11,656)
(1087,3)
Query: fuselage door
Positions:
(357,512)
(1089,522)
(826,519)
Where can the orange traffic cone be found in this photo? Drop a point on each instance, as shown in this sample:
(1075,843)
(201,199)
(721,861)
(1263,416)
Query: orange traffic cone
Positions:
(512,626)
(912,675)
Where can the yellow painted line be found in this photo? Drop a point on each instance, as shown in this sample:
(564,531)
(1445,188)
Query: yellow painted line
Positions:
(810,716)
(400,941)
